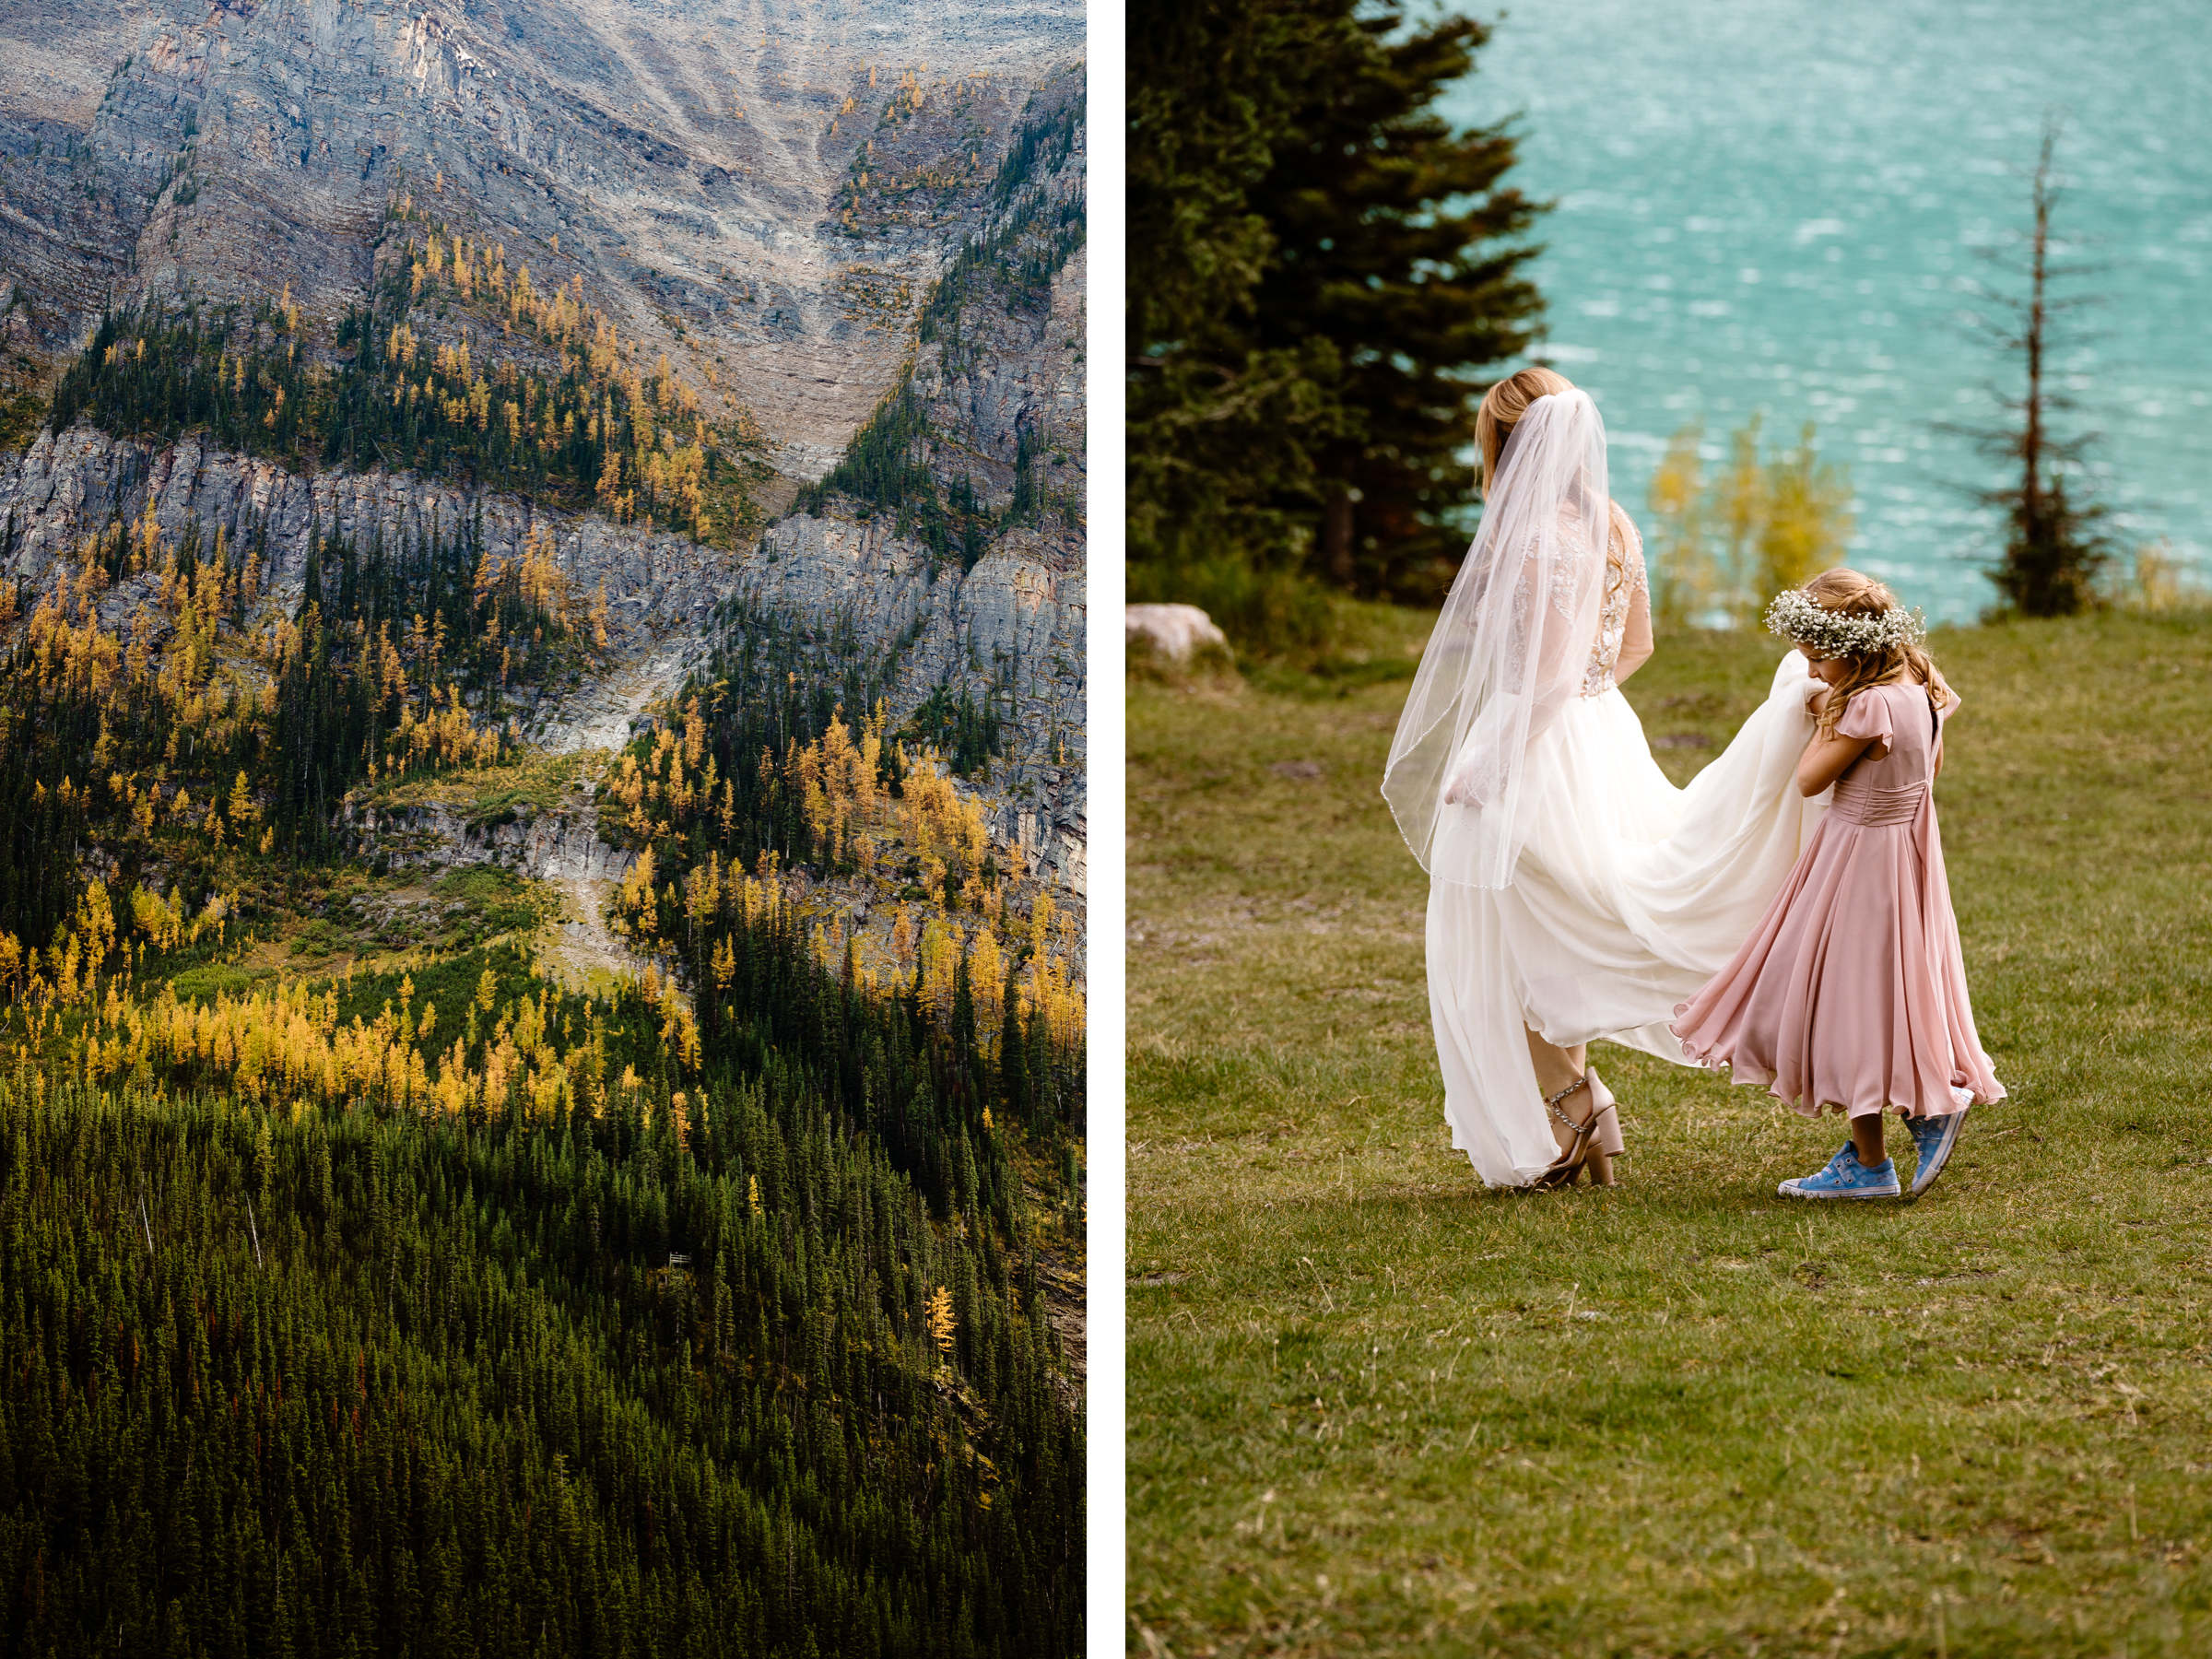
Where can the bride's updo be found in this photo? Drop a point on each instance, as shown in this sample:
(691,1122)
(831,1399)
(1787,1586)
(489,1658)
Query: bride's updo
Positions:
(1502,406)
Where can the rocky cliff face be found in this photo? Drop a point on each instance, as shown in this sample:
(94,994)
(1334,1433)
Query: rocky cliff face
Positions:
(995,399)
(1022,604)
(66,487)
(1019,608)
(760,190)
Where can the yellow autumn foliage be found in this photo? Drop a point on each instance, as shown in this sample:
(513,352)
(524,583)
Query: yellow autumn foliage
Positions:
(287,1047)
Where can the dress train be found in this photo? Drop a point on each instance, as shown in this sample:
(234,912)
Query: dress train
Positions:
(1629,895)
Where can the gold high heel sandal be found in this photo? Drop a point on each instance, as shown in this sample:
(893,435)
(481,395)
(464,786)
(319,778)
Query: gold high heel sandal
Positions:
(1597,1139)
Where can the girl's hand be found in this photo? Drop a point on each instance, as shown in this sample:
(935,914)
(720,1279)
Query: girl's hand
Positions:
(1815,701)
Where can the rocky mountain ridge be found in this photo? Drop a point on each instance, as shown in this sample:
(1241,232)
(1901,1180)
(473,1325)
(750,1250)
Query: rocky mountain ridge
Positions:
(758,190)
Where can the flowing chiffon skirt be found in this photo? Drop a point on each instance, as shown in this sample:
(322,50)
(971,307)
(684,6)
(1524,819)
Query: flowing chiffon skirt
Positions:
(1850,991)
(1630,895)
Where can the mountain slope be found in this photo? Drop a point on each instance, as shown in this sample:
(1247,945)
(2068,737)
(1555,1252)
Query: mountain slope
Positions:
(613,939)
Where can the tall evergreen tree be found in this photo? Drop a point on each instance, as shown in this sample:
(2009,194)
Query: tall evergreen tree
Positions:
(1321,267)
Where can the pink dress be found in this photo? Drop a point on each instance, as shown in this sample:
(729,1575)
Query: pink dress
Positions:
(1851,993)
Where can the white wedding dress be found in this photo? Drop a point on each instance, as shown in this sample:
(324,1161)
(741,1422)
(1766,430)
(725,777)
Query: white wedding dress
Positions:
(1626,896)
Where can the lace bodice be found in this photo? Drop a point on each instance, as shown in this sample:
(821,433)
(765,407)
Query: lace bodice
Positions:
(1622,585)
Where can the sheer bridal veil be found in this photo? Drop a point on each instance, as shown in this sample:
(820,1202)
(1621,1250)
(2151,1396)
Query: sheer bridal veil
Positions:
(1509,651)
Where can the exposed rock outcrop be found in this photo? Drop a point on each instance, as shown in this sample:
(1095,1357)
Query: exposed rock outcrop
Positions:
(758,189)
(1022,605)
(562,846)
(66,487)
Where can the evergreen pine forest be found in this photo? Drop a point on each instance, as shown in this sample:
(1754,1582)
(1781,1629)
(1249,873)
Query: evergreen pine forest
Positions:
(1325,273)
(391,1292)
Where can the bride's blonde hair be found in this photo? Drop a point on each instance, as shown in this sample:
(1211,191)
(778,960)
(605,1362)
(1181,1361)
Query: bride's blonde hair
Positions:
(1853,594)
(1502,406)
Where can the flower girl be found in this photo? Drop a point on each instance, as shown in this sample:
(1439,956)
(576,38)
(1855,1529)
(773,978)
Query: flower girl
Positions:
(1852,991)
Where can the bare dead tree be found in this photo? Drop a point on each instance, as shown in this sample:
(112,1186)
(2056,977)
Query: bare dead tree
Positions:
(2054,544)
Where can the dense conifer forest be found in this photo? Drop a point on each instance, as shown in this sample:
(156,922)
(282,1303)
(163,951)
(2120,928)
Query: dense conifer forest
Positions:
(631,1380)
(459,1310)
(755,768)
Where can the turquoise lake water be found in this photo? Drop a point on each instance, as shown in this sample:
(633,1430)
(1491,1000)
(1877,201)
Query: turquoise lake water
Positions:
(1776,205)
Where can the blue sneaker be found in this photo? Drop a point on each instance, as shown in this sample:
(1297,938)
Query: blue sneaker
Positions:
(1846,1177)
(1935,1136)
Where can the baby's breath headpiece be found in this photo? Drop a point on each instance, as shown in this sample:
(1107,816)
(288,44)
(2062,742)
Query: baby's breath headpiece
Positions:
(1800,619)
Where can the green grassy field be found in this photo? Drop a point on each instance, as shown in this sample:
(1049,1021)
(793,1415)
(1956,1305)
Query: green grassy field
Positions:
(1376,1409)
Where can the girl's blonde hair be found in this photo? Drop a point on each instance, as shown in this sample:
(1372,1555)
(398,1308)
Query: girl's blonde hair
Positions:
(1853,594)
(1502,406)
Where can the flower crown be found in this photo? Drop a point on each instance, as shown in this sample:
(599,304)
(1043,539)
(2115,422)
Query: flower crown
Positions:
(1800,619)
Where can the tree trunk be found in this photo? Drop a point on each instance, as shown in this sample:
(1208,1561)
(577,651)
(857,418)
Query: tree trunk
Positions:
(2031,438)
(1336,536)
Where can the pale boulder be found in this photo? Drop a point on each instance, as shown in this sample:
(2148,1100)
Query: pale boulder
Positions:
(1177,632)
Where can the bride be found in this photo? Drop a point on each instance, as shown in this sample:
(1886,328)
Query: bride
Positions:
(1575,893)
